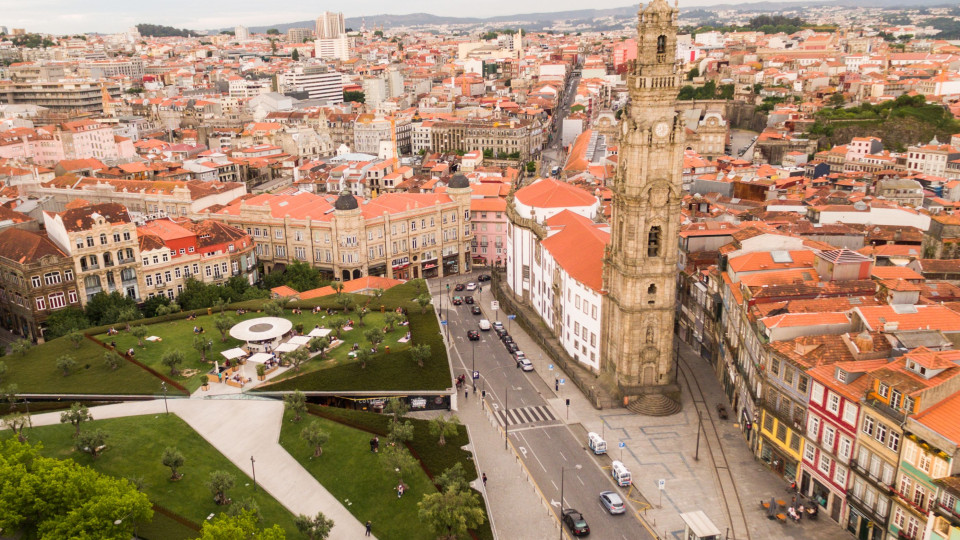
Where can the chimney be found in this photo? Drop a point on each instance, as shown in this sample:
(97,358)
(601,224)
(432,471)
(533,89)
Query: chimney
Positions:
(864,342)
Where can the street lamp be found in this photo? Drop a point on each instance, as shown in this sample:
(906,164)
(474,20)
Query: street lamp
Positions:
(562,470)
(506,419)
(473,364)
(254,471)
(163,387)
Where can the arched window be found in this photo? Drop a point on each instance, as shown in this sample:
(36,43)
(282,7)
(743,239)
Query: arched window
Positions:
(653,242)
(662,45)
(652,294)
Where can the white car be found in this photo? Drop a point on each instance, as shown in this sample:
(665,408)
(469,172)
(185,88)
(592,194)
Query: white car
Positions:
(484,325)
(471,286)
(525,364)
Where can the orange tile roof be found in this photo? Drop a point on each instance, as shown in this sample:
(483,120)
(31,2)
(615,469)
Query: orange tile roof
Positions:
(942,418)
(488,204)
(788,320)
(354,286)
(895,272)
(763,260)
(915,318)
(578,247)
(550,193)
(284,291)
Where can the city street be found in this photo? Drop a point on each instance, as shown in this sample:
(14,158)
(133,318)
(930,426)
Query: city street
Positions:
(547,446)
(553,155)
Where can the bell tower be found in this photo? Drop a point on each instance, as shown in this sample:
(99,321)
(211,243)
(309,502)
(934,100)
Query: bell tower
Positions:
(640,266)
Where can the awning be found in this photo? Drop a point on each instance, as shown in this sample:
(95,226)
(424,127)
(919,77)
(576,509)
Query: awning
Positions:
(429,266)
(287,347)
(260,358)
(320,332)
(299,340)
(230,354)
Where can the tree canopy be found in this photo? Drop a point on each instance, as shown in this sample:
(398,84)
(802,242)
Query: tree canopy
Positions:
(159,30)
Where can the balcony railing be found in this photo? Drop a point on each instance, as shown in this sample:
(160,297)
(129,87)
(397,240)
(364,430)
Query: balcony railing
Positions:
(886,410)
(126,261)
(867,508)
(947,512)
(910,504)
(865,474)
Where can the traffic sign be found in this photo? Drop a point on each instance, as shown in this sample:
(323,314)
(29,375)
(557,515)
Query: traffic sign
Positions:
(511,317)
(622,444)
(550,367)
(476,375)
(443,323)
(661,484)
(563,381)
(494,305)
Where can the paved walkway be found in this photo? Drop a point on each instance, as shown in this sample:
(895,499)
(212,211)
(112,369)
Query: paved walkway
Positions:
(665,448)
(240,428)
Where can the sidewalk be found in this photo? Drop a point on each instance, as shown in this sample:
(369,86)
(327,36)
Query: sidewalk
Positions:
(664,448)
(240,428)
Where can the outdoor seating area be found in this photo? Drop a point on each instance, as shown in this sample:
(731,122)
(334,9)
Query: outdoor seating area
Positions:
(262,334)
(795,511)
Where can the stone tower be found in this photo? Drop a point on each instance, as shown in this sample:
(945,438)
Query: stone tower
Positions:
(640,267)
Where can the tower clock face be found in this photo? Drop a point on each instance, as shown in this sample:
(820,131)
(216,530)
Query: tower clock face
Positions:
(661,129)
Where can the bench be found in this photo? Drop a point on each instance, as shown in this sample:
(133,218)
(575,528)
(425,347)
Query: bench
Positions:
(782,518)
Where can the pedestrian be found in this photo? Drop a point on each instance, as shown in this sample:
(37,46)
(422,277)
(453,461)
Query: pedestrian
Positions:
(372,446)
(400,491)
(466,393)
(376,443)
(484,479)
(369,528)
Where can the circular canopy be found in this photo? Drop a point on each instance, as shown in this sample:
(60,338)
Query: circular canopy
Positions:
(261,329)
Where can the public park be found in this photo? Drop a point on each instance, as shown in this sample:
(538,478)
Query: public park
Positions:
(169,453)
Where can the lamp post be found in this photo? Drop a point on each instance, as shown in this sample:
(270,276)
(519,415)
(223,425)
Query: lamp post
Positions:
(473,364)
(254,471)
(163,387)
(506,423)
(562,470)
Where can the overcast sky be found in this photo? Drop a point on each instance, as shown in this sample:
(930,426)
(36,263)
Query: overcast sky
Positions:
(108,16)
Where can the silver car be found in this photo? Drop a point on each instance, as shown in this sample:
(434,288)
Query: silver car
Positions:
(612,502)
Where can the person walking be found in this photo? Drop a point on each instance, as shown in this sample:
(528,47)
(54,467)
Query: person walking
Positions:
(466,392)
(369,528)
(484,479)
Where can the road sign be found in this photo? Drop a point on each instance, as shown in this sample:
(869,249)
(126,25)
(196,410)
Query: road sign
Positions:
(476,375)
(550,367)
(443,323)
(622,444)
(494,305)
(511,317)
(563,381)
(661,484)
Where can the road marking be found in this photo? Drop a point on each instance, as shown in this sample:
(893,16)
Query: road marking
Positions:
(525,415)
(581,481)
(561,455)
(534,454)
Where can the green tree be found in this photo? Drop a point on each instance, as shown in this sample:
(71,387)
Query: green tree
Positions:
(315,436)
(220,305)
(273,32)
(105,308)
(374,336)
(319,344)
(397,459)
(314,528)
(127,314)
(246,504)
(345,303)
(424,301)
(140,331)
(274,308)
(377,295)
(337,324)
(396,408)
(297,403)
(420,353)
(112,360)
(17,423)
(363,355)
(297,358)
(361,313)
(173,459)
(218,483)
(65,364)
(63,321)
(224,324)
(20,347)
(452,513)
(391,318)
(75,337)
(77,415)
(378,33)
(55,498)
(295,55)
(302,277)
(443,427)
(693,73)
(353,96)
(172,359)
(400,432)
(3,369)
(836,100)
(91,442)
(243,526)
(201,344)
(151,307)
(453,477)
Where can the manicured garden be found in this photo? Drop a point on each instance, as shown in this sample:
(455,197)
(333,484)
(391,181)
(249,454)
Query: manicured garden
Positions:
(134,449)
(36,371)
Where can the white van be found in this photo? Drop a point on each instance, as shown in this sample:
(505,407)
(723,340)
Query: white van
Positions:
(484,325)
(620,474)
(598,445)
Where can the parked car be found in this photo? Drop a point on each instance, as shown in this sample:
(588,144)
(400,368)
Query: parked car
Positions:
(574,521)
(484,325)
(473,335)
(525,364)
(458,287)
(457,300)
(518,355)
(468,299)
(497,324)
(612,502)
(483,277)
(501,331)
(471,286)
(512,347)
(476,310)
(505,338)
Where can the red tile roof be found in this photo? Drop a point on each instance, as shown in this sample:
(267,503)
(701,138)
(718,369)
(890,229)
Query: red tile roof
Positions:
(550,193)
(578,247)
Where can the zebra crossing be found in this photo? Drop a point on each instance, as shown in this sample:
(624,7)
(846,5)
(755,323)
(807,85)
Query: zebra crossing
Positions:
(525,415)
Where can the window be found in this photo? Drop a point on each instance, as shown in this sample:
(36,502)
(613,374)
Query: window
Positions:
(850,413)
(103,239)
(840,476)
(881,434)
(116,237)
(41,303)
(816,393)
(36,282)
(883,390)
(653,242)
(768,422)
(51,278)
(898,517)
(149,280)
(782,432)
(893,443)
(829,435)
(72,295)
(833,403)
(802,383)
(809,453)
(176,272)
(57,300)
(68,275)
(845,449)
(278,233)
(207,270)
(126,235)
(923,462)
(775,366)
(824,464)
(868,424)
(896,399)
(813,427)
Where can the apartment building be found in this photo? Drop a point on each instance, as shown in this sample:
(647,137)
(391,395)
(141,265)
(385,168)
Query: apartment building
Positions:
(396,235)
(318,81)
(507,139)
(68,96)
(102,241)
(36,279)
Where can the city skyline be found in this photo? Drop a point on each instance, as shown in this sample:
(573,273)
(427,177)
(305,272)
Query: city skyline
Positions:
(110,16)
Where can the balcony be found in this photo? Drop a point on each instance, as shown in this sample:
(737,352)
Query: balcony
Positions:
(125,261)
(862,506)
(947,513)
(89,267)
(875,481)
(886,410)
(908,502)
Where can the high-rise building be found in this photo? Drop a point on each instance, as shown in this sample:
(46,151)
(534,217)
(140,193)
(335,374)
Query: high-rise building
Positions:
(241,33)
(330,25)
(333,49)
(299,35)
(639,275)
(318,81)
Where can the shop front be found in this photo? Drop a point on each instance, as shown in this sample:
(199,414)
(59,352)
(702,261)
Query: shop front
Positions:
(775,458)
(401,268)
(430,268)
(377,270)
(829,500)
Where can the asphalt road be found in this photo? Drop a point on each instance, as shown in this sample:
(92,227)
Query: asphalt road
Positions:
(553,154)
(544,441)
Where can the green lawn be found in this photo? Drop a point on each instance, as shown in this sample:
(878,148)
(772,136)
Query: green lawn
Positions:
(134,447)
(36,371)
(353,474)
(179,334)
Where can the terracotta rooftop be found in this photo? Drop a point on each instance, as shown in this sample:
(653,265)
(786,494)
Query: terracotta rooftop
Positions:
(26,247)
(550,193)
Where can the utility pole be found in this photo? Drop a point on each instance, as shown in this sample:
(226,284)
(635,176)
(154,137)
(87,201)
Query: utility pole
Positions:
(254,471)
(699,428)
(163,386)
(506,419)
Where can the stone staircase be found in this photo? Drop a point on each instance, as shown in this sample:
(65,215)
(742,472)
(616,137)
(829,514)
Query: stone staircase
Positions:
(654,405)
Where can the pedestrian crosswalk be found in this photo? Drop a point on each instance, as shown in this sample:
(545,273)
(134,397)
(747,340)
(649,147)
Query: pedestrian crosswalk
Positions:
(526,415)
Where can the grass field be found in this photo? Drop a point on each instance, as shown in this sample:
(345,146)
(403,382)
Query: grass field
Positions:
(134,447)
(36,371)
(353,474)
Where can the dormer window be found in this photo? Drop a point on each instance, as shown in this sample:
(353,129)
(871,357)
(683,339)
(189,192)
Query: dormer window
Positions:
(883,390)
(841,375)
